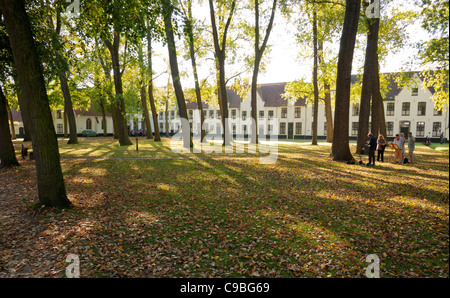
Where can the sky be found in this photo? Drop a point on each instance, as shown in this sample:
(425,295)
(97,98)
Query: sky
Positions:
(284,64)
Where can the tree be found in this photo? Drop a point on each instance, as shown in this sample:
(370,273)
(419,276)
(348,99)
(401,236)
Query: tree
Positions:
(317,23)
(143,83)
(220,55)
(340,150)
(151,96)
(62,69)
(435,52)
(51,188)
(189,29)
(7,153)
(259,51)
(110,21)
(170,39)
(370,71)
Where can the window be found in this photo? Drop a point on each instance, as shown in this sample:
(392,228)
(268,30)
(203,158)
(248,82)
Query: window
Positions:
(390,128)
(297,113)
(58,115)
(244,115)
(234,129)
(437,112)
(270,114)
(161,127)
(420,130)
(355,109)
(436,129)
(218,114)
(390,109)
(269,128)
(205,114)
(88,123)
(421,108)
(59,128)
(211,114)
(161,115)
(244,129)
(415,92)
(191,114)
(298,128)
(172,115)
(283,112)
(355,126)
(324,128)
(405,108)
(261,114)
(282,128)
(233,114)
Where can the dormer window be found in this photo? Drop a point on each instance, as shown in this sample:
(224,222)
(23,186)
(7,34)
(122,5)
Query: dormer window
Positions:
(415,92)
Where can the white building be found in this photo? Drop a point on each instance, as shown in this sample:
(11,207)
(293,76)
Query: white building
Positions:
(85,120)
(406,109)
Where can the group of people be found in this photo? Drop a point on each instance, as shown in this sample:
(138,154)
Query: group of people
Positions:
(380,146)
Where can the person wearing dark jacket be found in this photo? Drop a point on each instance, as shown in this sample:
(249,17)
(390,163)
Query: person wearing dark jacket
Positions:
(372,149)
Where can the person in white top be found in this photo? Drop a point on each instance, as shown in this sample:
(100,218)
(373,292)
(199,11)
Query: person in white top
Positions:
(398,153)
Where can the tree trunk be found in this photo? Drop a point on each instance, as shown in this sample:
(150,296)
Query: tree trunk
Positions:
(377,96)
(104,122)
(220,52)
(340,149)
(151,98)
(25,120)
(119,102)
(116,126)
(145,112)
(259,51)
(68,109)
(370,68)
(194,69)
(328,114)
(51,188)
(66,133)
(11,120)
(315,82)
(374,123)
(7,152)
(166,116)
(168,9)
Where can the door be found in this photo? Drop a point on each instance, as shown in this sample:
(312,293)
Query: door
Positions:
(290,130)
(404,128)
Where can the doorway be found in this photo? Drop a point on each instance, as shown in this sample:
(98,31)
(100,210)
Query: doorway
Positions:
(405,128)
(290,130)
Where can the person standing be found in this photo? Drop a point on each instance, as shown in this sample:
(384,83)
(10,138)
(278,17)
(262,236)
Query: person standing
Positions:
(381,146)
(442,137)
(402,147)
(398,153)
(411,146)
(372,148)
(428,139)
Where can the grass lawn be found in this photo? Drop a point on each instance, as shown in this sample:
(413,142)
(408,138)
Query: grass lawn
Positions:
(154,213)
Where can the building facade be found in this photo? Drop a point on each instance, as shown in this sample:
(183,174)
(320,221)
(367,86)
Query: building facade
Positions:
(406,109)
(85,120)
